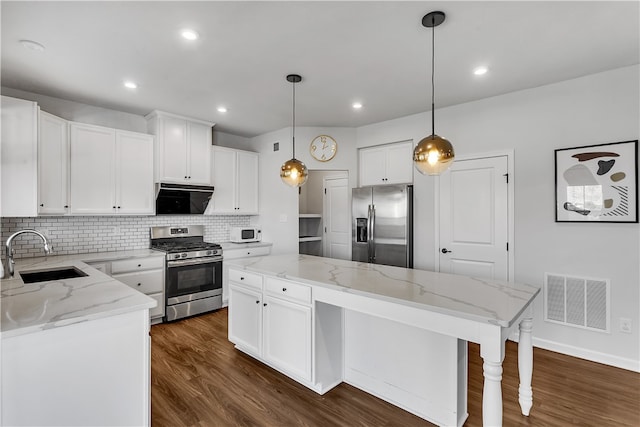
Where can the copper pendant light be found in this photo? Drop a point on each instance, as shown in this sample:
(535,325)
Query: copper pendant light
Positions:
(293,172)
(433,154)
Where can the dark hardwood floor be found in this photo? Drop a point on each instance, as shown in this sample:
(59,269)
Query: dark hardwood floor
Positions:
(199,379)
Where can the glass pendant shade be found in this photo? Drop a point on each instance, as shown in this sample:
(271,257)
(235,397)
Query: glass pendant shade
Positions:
(433,155)
(294,173)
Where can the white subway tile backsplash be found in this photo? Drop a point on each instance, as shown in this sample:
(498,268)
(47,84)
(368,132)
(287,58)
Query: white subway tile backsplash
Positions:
(73,235)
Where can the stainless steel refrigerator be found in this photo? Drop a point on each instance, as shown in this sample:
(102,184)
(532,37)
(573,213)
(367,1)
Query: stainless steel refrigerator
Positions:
(382,225)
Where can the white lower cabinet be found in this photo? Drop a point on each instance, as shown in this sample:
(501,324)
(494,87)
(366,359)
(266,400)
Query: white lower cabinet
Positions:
(144,274)
(287,336)
(242,251)
(271,319)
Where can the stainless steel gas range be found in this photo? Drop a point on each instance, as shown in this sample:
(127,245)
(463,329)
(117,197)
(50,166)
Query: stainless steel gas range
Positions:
(193,274)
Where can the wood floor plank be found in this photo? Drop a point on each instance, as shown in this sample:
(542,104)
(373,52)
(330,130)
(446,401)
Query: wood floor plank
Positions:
(199,380)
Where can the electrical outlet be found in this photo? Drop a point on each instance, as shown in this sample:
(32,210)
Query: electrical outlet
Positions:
(276,146)
(625,325)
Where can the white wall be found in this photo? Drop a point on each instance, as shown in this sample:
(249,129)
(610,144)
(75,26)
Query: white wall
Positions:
(83,113)
(280,202)
(231,141)
(595,109)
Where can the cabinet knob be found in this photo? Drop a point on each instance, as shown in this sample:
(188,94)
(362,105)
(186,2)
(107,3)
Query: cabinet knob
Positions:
(265,304)
(139,284)
(139,265)
(257,302)
(118,207)
(185,177)
(241,278)
(189,177)
(41,204)
(66,206)
(248,253)
(284,289)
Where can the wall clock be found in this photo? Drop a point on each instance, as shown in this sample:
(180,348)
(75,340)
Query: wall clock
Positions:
(323,148)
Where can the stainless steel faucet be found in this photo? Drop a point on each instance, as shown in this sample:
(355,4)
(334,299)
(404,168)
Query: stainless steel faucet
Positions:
(10,261)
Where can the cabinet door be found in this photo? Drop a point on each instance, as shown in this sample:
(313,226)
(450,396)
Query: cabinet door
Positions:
(372,166)
(53,155)
(92,169)
(134,177)
(245,319)
(247,182)
(399,163)
(173,149)
(224,180)
(19,148)
(287,336)
(199,154)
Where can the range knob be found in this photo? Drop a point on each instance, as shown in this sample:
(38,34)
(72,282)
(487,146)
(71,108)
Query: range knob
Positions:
(209,252)
(183,255)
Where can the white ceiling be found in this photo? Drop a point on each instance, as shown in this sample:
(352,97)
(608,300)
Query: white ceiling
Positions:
(377,53)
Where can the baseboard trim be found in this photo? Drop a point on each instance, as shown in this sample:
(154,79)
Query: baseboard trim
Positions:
(582,353)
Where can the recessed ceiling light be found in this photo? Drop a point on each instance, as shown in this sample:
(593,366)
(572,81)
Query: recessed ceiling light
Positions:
(30,44)
(222,110)
(130,85)
(478,71)
(189,34)
(357,105)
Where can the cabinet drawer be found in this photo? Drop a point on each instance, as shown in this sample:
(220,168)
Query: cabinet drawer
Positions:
(249,279)
(147,282)
(136,264)
(158,310)
(246,252)
(288,290)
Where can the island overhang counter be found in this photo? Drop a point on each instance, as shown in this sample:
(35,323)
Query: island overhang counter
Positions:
(315,319)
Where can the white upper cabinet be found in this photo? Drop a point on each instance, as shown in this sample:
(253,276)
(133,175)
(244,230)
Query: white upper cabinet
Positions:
(53,165)
(183,148)
(235,179)
(386,164)
(134,173)
(19,147)
(111,171)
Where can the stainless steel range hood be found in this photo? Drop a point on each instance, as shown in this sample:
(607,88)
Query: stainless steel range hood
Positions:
(182,199)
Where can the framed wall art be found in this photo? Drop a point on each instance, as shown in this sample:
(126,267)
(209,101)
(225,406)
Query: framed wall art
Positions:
(597,183)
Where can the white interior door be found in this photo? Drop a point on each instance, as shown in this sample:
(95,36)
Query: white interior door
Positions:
(474,220)
(337,218)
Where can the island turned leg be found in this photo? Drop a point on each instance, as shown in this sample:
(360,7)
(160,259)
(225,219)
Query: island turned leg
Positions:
(525,366)
(492,394)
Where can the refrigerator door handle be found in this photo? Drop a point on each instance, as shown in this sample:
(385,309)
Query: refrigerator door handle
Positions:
(372,240)
(369,232)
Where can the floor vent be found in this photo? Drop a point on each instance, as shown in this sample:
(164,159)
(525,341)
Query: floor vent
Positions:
(577,301)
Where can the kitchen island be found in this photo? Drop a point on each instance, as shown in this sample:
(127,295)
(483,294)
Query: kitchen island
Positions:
(74,351)
(397,333)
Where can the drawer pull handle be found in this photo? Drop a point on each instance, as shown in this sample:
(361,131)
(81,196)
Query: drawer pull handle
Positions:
(284,289)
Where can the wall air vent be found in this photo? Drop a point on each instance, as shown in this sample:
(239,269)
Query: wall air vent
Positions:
(577,301)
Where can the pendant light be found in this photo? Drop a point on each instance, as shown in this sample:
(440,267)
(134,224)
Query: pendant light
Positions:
(293,172)
(433,154)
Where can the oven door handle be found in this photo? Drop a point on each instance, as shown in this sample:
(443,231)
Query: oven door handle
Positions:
(185,262)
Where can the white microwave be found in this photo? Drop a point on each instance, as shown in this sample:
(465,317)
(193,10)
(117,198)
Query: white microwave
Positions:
(245,234)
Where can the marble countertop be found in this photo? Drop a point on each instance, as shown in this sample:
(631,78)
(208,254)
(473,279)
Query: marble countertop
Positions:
(488,301)
(28,308)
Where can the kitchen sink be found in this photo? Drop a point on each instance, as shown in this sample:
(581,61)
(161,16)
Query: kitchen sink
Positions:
(53,274)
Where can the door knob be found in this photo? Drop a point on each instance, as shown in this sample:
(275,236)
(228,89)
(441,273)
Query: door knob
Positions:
(445,251)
